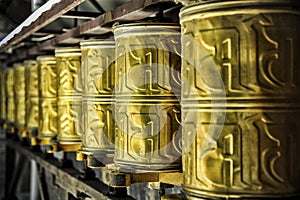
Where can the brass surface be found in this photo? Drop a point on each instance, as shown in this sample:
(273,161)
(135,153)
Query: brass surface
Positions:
(99,75)
(19,92)
(31,94)
(147,110)
(3,93)
(9,89)
(68,97)
(254,47)
(120,179)
(188,2)
(47,89)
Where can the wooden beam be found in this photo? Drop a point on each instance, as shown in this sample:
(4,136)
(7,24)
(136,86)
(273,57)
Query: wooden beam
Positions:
(46,18)
(130,11)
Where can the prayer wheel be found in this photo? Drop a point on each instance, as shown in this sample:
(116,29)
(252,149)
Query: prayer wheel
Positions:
(3,122)
(68,97)
(47,90)
(19,94)
(240,99)
(31,97)
(98,74)
(147,94)
(10,103)
(3,94)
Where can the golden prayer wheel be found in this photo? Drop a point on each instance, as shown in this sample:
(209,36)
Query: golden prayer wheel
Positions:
(10,104)
(98,74)
(3,95)
(69,93)
(147,110)
(251,150)
(47,108)
(3,122)
(19,92)
(31,97)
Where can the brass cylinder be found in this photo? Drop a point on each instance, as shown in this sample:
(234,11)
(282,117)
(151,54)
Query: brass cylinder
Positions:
(9,89)
(252,46)
(147,109)
(31,95)
(98,74)
(47,90)
(3,94)
(68,97)
(19,92)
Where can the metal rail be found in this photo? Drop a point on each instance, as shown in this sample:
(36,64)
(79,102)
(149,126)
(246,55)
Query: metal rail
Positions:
(66,178)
